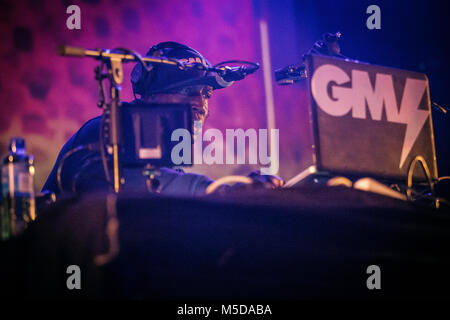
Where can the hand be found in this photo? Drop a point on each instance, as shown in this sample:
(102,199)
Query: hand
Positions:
(269,181)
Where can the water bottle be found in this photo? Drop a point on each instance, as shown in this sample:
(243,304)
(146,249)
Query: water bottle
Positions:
(18,200)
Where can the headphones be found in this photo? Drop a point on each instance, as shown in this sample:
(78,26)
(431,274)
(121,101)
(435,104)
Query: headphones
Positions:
(141,79)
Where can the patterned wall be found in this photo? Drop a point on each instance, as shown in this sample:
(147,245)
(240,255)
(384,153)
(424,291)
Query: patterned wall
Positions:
(46,98)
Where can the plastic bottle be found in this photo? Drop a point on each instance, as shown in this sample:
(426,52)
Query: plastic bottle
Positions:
(18,198)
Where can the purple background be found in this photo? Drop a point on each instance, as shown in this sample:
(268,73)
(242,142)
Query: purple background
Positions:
(45,98)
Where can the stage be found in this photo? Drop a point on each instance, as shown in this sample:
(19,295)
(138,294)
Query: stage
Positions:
(299,243)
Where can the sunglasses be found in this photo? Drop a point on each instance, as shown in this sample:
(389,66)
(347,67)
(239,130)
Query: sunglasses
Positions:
(194,91)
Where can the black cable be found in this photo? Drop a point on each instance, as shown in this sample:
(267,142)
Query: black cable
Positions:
(86,164)
(426,170)
(99,76)
(138,57)
(134,54)
(68,154)
(423,163)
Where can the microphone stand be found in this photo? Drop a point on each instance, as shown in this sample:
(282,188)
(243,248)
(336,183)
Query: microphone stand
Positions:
(115,73)
(113,60)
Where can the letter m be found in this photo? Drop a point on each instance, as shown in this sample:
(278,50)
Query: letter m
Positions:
(240,136)
(381,95)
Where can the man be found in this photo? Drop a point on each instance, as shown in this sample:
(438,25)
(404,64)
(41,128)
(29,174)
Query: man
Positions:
(83,170)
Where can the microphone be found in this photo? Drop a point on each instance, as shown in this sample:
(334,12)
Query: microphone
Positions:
(71,51)
(290,74)
(226,76)
(236,73)
(218,78)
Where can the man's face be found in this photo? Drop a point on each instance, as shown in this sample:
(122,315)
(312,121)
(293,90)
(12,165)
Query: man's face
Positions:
(197,97)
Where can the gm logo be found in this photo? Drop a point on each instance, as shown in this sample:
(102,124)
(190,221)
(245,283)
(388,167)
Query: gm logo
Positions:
(335,99)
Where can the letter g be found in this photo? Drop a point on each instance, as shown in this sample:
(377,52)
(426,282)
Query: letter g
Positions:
(338,105)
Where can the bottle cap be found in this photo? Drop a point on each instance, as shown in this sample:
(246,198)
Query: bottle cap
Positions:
(17,147)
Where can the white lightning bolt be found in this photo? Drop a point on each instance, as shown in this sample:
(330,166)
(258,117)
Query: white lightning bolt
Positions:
(410,115)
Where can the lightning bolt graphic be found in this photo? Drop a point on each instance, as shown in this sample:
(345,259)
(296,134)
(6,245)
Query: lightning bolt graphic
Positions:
(410,115)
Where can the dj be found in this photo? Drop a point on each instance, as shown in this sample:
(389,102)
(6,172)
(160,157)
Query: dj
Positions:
(83,171)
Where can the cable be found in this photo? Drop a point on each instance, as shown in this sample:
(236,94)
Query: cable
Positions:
(225,180)
(134,54)
(61,164)
(442,109)
(423,163)
(84,167)
(138,57)
(69,153)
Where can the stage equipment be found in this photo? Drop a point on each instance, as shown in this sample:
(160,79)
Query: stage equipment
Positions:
(220,76)
(367,120)
(328,45)
(112,60)
(147,138)
(139,135)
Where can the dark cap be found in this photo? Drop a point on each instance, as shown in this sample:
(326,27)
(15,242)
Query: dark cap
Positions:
(164,78)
